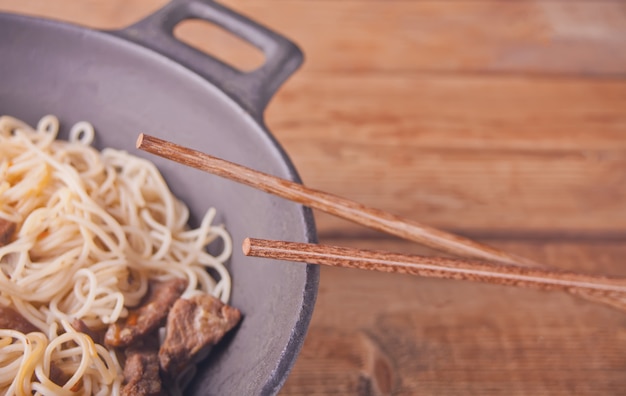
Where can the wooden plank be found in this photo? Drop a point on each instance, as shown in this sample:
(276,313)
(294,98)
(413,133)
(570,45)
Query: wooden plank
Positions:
(379,334)
(595,257)
(98,14)
(582,37)
(462,152)
(456,112)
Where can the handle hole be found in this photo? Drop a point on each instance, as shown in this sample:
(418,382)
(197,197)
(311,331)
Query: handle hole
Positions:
(217,42)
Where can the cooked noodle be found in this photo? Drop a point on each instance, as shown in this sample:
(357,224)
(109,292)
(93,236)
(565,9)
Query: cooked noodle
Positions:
(93,229)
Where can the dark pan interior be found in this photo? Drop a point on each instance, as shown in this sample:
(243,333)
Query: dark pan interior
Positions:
(123,89)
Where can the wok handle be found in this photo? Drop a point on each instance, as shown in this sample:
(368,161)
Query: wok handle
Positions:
(252,90)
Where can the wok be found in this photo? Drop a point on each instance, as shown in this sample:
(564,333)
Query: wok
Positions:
(141,79)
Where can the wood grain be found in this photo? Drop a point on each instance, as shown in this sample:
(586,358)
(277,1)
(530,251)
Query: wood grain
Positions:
(539,37)
(469,153)
(98,14)
(442,337)
(502,120)
(435,267)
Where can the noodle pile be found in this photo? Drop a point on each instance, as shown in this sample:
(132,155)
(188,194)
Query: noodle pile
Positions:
(93,229)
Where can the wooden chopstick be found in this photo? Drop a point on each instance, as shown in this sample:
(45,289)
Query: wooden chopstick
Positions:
(347,209)
(433,267)
(341,207)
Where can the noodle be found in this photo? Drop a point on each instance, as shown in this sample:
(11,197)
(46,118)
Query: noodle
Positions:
(93,229)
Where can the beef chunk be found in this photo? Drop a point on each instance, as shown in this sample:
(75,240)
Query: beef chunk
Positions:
(82,327)
(11,319)
(193,326)
(7,229)
(57,375)
(141,373)
(148,316)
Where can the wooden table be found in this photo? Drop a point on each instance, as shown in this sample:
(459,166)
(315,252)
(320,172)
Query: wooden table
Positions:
(504,121)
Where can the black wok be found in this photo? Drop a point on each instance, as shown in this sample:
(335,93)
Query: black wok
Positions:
(141,79)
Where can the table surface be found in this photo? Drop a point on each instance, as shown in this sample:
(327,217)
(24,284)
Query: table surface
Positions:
(504,121)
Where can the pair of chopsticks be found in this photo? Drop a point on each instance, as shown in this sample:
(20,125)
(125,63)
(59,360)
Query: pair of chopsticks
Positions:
(478,263)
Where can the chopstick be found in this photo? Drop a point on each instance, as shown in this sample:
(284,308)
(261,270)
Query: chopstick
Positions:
(341,207)
(433,267)
(347,209)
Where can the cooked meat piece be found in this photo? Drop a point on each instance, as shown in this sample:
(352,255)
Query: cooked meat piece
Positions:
(141,373)
(7,228)
(57,375)
(194,325)
(11,319)
(82,327)
(148,316)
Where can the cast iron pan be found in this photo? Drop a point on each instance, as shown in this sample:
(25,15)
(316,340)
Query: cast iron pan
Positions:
(141,79)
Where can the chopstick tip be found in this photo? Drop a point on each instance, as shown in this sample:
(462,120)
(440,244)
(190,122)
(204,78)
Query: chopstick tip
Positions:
(245,246)
(139,141)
